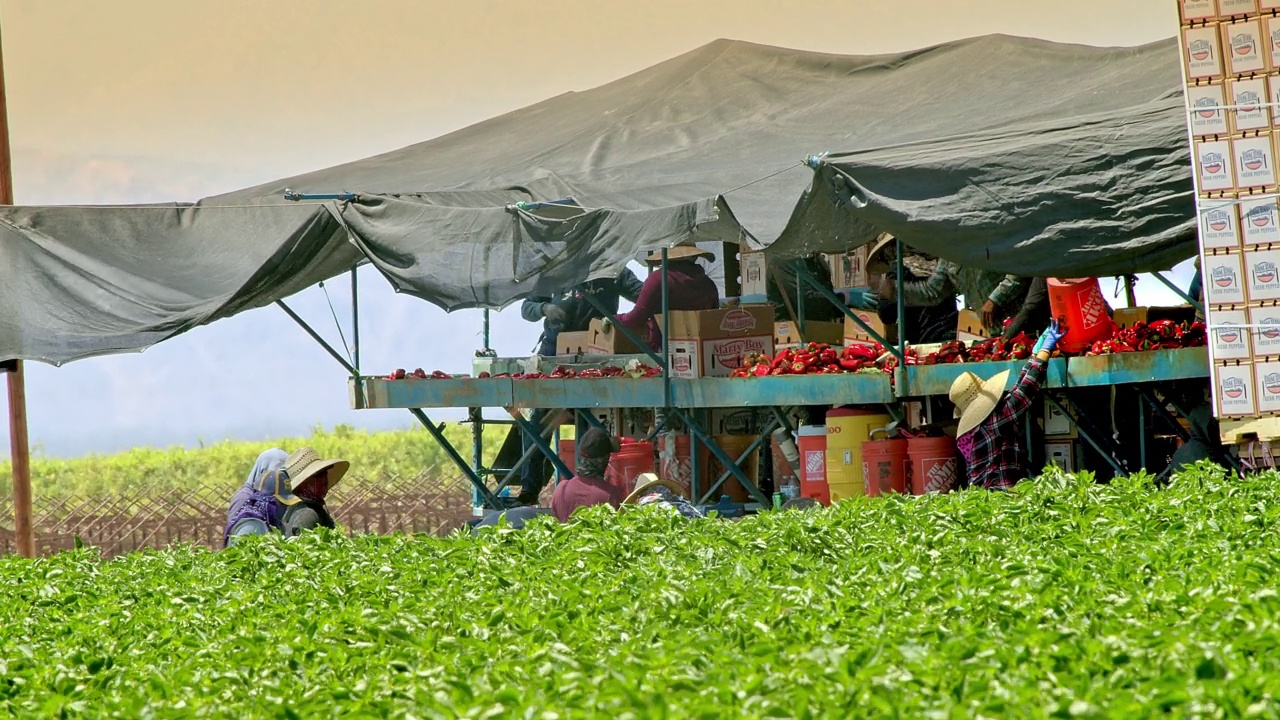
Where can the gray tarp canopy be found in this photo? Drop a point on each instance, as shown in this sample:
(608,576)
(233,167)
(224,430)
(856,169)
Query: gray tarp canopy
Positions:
(1003,153)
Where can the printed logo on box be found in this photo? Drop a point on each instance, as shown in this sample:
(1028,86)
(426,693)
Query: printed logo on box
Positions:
(1202,52)
(1225,277)
(1267,335)
(1215,166)
(1268,387)
(1225,286)
(1234,386)
(1246,55)
(1230,340)
(1250,114)
(1264,275)
(725,356)
(1209,118)
(737,320)
(1261,222)
(1254,166)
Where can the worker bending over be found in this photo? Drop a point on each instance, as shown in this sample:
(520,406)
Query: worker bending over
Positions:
(688,288)
(990,428)
(285,494)
(993,296)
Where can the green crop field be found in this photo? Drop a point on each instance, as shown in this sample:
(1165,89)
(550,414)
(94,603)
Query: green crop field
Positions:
(1060,599)
(404,453)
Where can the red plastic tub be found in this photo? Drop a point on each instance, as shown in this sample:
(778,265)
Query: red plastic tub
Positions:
(934,465)
(812,442)
(884,466)
(633,459)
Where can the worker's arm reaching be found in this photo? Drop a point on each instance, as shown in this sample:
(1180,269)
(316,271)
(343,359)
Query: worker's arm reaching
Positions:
(941,285)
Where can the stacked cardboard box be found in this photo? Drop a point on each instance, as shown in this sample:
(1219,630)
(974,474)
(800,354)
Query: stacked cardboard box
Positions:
(1231,65)
(712,343)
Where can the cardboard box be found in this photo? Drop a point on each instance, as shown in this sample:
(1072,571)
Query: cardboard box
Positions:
(1128,317)
(1198,10)
(849,270)
(1233,386)
(736,421)
(1244,46)
(1260,222)
(1265,332)
(1220,227)
(1237,8)
(1267,386)
(969,328)
(1061,454)
(1250,98)
(755,277)
(1273,84)
(1262,275)
(573,343)
(1255,161)
(1229,337)
(712,343)
(595,341)
(1223,279)
(855,333)
(1264,5)
(788,333)
(1271,36)
(1209,118)
(1202,52)
(1214,165)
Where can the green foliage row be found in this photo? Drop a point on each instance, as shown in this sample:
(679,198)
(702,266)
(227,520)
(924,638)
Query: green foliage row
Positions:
(1060,599)
(404,453)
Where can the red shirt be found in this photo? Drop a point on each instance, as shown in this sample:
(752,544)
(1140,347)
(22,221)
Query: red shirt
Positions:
(688,288)
(579,492)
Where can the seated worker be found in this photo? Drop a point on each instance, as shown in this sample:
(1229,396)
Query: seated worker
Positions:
(992,295)
(990,426)
(571,312)
(688,288)
(1205,443)
(588,487)
(284,493)
(930,324)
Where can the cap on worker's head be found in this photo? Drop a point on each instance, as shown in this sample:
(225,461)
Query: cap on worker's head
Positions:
(684,252)
(975,399)
(597,443)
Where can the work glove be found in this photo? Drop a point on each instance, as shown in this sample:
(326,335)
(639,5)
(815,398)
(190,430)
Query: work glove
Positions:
(606,324)
(1049,338)
(554,313)
(861,298)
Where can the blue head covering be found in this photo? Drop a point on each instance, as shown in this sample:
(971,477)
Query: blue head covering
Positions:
(268,475)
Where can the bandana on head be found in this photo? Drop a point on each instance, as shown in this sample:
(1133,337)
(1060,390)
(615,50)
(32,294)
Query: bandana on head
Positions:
(592,467)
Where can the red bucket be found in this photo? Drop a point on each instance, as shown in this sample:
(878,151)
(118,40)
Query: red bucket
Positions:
(934,465)
(633,459)
(812,441)
(1082,308)
(884,466)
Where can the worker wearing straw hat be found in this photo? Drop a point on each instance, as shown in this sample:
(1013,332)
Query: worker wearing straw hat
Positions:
(688,288)
(990,420)
(283,493)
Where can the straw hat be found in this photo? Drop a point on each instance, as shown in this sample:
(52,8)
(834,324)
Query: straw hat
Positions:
(305,464)
(975,398)
(878,264)
(684,252)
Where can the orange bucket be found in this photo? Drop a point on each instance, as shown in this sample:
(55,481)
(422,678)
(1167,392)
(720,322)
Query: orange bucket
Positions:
(674,462)
(568,454)
(884,466)
(812,441)
(934,465)
(633,459)
(1079,304)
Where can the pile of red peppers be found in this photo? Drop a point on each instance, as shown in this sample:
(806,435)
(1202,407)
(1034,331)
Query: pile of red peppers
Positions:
(813,359)
(560,373)
(1159,335)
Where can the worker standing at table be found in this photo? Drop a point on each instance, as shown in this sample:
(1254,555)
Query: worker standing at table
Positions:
(993,296)
(990,433)
(688,288)
(927,324)
(817,307)
(572,312)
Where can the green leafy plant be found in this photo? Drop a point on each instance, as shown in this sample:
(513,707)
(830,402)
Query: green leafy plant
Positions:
(1061,598)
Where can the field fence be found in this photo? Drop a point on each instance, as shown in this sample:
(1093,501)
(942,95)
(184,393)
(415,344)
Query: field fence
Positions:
(433,502)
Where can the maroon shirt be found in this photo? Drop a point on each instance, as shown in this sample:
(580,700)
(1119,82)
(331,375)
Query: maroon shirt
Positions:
(688,288)
(579,492)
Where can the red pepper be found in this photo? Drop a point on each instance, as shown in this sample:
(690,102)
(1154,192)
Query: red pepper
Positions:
(850,364)
(397,374)
(441,375)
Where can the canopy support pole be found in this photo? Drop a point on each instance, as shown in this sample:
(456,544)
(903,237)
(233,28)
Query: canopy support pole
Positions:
(831,297)
(19,446)
(1088,437)
(902,304)
(319,340)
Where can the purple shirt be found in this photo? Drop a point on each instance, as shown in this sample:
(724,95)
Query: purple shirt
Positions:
(688,288)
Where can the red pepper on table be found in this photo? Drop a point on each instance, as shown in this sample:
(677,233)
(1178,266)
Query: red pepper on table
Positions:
(441,375)
(762,370)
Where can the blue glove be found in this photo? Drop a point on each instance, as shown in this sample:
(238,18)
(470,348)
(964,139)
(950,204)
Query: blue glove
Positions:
(1049,339)
(861,298)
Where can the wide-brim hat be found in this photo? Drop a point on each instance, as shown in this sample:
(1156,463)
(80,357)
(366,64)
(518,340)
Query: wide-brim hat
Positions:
(305,463)
(878,263)
(975,399)
(684,252)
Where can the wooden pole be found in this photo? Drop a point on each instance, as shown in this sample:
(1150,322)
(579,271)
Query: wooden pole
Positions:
(18,447)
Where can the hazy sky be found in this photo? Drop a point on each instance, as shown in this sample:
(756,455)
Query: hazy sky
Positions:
(147,100)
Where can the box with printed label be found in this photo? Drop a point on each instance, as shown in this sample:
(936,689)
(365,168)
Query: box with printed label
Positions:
(969,327)
(1255,161)
(1198,10)
(1208,117)
(1213,160)
(1223,279)
(1271,36)
(855,331)
(1250,98)
(1262,275)
(736,421)
(1260,220)
(1202,53)
(1265,331)
(1234,387)
(1229,337)
(755,277)
(1237,8)
(1244,47)
(1267,389)
(849,270)
(712,343)
(788,333)
(1219,228)
(1265,5)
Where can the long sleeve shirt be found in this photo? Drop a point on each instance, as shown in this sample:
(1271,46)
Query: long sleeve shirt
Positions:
(688,288)
(816,307)
(977,286)
(579,312)
(992,450)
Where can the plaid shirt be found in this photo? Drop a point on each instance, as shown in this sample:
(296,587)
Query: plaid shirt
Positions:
(995,457)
